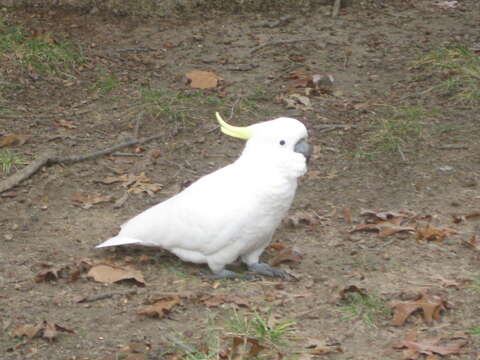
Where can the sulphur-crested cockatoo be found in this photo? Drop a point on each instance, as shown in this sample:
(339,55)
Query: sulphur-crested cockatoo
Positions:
(233,212)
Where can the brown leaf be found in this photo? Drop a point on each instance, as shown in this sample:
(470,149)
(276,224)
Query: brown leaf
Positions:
(430,305)
(50,331)
(429,233)
(203,79)
(384,227)
(87,201)
(50,272)
(287,255)
(384,215)
(352,289)
(65,124)
(161,307)
(135,183)
(321,346)
(474,242)
(244,348)
(109,274)
(303,217)
(431,346)
(347,215)
(27,330)
(296,101)
(13,140)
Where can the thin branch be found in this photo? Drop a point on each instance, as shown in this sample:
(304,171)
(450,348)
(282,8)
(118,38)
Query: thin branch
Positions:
(277,42)
(49,158)
(336,8)
(106,295)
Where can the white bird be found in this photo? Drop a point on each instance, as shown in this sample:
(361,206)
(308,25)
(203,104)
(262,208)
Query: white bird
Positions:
(233,212)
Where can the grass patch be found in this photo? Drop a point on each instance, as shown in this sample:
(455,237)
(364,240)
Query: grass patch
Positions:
(8,160)
(188,107)
(219,337)
(474,330)
(258,327)
(459,69)
(40,52)
(106,84)
(394,132)
(367,308)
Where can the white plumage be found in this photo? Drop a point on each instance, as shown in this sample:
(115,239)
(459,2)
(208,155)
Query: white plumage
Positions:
(233,212)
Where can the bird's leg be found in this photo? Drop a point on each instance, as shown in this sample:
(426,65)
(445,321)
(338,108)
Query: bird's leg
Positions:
(227,274)
(267,270)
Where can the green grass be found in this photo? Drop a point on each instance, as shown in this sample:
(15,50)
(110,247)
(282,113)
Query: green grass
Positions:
(106,84)
(459,71)
(257,327)
(41,53)
(8,160)
(220,334)
(367,308)
(394,132)
(474,330)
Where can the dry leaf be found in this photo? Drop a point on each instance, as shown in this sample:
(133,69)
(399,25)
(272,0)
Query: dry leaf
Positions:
(50,272)
(203,79)
(65,124)
(109,274)
(347,215)
(47,330)
(27,330)
(13,140)
(244,348)
(297,101)
(87,201)
(352,289)
(135,183)
(320,346)
(384,228)
(431,346)
(303,217)
(287,255)
(160,307)
(474,242)
(430,305)
(429,233)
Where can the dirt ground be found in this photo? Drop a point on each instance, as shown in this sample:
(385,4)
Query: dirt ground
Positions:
(369,50)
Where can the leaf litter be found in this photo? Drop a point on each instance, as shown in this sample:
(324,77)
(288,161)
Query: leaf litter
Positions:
(47,330)
(160,306)
(443,346)
(106,273)
(431,307)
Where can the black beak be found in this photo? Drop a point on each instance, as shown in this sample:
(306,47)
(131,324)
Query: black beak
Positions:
(304,148)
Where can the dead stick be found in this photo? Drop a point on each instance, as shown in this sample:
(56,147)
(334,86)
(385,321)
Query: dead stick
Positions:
(277,42)
(107,295)
(49,158)
(336,8)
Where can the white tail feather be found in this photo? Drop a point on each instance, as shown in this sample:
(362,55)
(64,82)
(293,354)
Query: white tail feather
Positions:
(115,241)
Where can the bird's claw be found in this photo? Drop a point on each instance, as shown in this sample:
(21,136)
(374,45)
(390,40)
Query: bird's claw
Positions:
(267,270)
(227,274)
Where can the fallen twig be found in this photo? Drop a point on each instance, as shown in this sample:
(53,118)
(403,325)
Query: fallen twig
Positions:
(49,158)
(276,42)
(336,8)
(138,49)
(327,128)
(107,295)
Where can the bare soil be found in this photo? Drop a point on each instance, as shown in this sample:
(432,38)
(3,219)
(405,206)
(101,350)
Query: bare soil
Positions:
(369,51)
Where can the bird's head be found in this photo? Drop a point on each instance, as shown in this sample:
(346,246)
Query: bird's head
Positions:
(280,142)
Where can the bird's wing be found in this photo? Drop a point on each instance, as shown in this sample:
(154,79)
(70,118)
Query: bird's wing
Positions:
(220,208)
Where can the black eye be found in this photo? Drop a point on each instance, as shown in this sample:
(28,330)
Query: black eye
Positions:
(282,142)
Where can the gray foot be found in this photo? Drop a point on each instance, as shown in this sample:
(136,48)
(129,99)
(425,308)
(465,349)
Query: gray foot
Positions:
(227,274)
(267,270)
